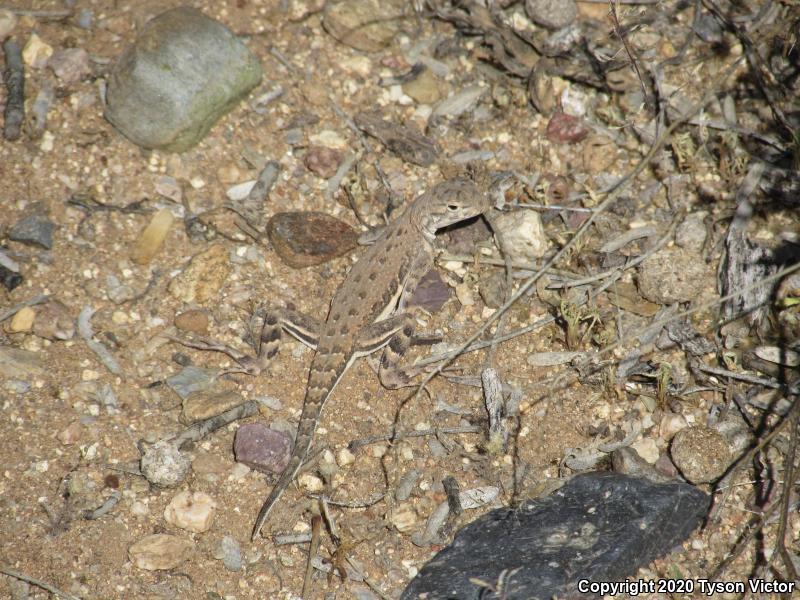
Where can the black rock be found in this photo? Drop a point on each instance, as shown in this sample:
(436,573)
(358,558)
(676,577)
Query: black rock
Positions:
(597,527)
(34,229)
(10,279)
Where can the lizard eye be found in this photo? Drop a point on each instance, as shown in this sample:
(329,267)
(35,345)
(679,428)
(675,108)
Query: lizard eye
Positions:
(452,207)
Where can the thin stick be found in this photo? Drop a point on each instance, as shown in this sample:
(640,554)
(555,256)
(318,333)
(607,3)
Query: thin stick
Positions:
(411,434)
(7,314)
(789,479)
(37,582)
(316,539)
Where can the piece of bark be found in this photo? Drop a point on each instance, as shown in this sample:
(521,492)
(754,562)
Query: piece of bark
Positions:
(14,77)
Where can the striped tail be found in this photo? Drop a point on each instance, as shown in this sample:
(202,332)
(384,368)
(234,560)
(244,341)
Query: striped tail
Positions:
(327,369)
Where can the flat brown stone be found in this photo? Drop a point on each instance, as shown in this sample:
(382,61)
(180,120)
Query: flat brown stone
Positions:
(307,238)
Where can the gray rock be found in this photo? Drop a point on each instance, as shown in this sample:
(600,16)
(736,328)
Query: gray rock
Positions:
(673,275)
(230,553)
(184,72)
(597,527)
(701,454)
(33,229)
(164,465)
(553,14)
(16,363)
(70,65)
(691,234)
(85,18)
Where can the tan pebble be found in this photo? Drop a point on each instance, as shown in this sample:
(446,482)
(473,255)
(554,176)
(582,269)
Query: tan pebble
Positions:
(344,457)
(70,434)
(160,551)
(311,483)
(229,174)
(424,89)
(406,452)
(202,405)
(152,237)
(139,508)
(119,317)
(23,320)
(671,424)
(522,235)
(378,450)
(54,321)
(90,375)
(404,517)
(194,321)
(36,52)
(464,294)
(193,511)
(647,449)
(7,23)
(203,278)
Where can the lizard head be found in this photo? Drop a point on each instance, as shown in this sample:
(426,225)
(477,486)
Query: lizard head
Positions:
(450,202)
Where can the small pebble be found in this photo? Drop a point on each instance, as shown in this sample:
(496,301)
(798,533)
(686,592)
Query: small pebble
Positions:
(205,404)
(673,275)
(404,517)
(521,235)
(160,551)
(323,161)
(71,434)
(566,129)
(424,88)
(8,21)
(344,457)
(164,465)
(36,52)
(193,511)
(169,188)
(54,321)
(33,229)
(230,553)
(152,237)
(262,448)
(553,14)
(85,18)
(22,320)
(203,277)
(647,449)
(70,65)
(464,294)
(194,321)
(431,292)
(311,483)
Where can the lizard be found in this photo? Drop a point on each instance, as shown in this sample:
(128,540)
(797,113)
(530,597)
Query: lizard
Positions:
(367,313)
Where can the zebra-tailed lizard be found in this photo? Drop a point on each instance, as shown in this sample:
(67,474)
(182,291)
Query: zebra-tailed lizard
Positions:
(367,313)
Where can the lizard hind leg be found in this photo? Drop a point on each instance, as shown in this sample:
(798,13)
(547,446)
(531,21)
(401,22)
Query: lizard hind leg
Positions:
(277,320)
(394,335)
(272,323)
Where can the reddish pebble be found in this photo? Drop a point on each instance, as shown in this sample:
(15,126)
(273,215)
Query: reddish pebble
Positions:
(323,161)
(262,448)
(566,129)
